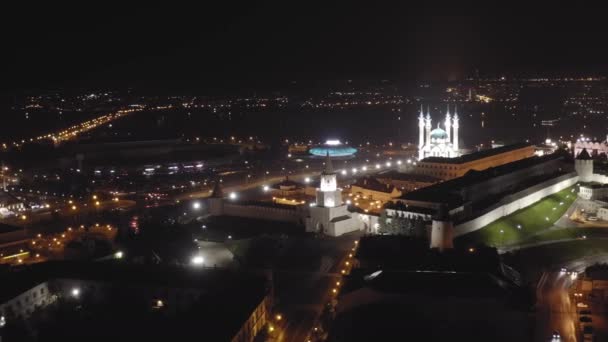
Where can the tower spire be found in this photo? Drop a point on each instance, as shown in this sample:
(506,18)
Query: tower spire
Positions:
(329,169)
(217,190)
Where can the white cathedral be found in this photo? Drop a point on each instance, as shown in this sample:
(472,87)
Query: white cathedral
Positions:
(438,142)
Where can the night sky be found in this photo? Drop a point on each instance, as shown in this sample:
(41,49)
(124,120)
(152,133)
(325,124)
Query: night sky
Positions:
(274,42)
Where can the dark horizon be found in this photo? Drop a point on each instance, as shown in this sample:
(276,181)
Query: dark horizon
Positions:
(271,44)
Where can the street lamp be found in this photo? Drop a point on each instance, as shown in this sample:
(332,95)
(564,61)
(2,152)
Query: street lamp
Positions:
(75,292)
(197,260)
(196,205)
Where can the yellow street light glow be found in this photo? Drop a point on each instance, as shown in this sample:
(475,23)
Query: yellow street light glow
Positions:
(94,197)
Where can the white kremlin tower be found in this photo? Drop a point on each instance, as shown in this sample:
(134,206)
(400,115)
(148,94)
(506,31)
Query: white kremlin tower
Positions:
(329,215)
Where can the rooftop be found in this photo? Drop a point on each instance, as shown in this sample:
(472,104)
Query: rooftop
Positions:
(402,176)
(449,192)
(7,199)
(476,155)
(371,183)
(584,155)
(287,183)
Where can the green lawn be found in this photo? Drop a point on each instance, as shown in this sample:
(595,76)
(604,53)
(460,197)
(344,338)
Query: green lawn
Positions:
(532,260)
(523,224)
(569,233)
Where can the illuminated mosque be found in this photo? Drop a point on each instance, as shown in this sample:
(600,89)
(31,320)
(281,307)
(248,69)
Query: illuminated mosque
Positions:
(438,142)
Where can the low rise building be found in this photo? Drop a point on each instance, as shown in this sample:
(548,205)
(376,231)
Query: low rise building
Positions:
(178,294)
(397,278)
(593,191)
(407,182)
(8,202)
(375,190)
(449,168)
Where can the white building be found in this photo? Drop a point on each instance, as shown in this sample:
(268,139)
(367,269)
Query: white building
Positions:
(593,147)
(329,215)
(438,142)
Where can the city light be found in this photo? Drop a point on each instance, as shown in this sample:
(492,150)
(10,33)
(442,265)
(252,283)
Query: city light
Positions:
(266,188)
(75,292)
(343,172)
(307,180)
(118,255)
(196,205)
(232,195)
(197,260)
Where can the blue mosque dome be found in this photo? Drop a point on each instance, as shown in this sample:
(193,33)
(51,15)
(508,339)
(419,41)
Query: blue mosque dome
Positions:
(439,133)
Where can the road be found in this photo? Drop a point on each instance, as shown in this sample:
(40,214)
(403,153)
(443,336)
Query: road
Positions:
(305,294)
(555,310)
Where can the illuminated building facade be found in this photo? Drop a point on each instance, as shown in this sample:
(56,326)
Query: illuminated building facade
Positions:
(329,215)
(438,142)
(449,168)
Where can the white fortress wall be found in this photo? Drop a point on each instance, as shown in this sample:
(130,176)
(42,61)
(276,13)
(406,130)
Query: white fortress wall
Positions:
(546,189)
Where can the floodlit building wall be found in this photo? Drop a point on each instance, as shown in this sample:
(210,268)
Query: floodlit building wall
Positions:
(24,304)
